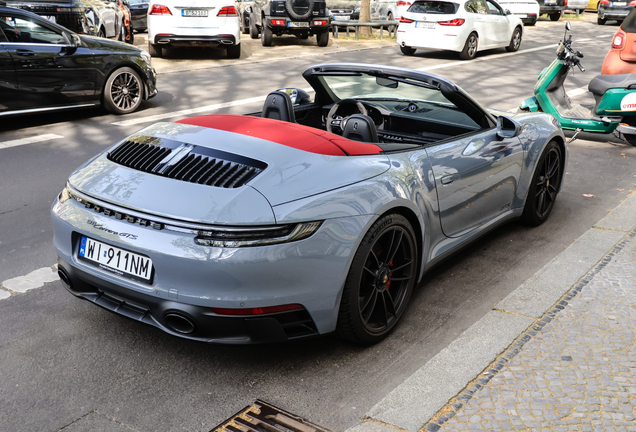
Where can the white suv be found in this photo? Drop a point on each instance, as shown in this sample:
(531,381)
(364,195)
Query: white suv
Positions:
(193,23)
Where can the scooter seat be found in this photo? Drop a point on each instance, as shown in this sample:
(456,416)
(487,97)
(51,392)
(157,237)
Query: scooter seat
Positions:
(601,83)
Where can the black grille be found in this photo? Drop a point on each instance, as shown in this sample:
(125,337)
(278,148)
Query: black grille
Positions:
(194,164)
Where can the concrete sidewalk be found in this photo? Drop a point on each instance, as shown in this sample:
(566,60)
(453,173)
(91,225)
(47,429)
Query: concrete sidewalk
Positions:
(558,353)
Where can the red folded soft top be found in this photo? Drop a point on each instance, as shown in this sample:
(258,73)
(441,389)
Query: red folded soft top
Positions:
(289,134)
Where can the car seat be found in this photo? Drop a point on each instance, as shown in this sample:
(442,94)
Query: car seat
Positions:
(360,127)
(278,106)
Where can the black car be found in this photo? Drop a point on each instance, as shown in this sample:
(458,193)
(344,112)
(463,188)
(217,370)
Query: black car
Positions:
(302,18)
(45,67)
(553,8)
(139,14)
(613,10)
(92,17)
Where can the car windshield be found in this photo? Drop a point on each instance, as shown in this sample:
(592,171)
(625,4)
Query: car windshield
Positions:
(433,7)
(414,98)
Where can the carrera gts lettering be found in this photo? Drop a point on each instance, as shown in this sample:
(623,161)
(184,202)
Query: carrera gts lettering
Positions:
(103,228)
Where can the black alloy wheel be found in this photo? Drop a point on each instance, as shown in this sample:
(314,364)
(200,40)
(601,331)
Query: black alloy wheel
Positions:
(123,91)
(544,187)
(380,281)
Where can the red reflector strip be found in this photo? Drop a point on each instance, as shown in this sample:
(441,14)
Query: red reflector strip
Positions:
(256,311)
(278,22)
(320,23)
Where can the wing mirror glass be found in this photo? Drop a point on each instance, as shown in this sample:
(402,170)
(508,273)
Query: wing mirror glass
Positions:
(298,96)
(508,12)
(507,127)
(568,27)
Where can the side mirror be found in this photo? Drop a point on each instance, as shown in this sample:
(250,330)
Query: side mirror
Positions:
(507,128)
(508,12)
(568,27)
(298,96)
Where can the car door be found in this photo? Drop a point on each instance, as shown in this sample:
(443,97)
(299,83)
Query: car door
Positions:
(476,179)
(478,18)
(9,94)
(51,72)
(499,24)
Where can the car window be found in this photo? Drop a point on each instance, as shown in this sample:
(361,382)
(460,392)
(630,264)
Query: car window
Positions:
(493,9)
(434,7)
(27,30)
(476,6)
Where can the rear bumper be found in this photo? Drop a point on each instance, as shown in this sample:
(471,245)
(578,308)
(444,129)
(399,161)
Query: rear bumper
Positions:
(550,9)
(282,25)
(178,40)
(611,14)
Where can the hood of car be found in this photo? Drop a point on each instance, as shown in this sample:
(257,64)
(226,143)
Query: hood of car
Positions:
(199,174)
(103,44)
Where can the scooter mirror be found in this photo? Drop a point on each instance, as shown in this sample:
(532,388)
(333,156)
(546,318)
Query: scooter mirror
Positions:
(568,27)
(579,54)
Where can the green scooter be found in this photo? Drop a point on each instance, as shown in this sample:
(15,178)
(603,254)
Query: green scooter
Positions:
(615,96)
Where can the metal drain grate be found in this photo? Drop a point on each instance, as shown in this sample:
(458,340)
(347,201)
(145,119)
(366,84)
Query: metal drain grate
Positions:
(263,417)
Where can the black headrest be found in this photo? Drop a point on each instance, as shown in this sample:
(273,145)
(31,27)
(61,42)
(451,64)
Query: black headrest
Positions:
(360,127)
(278,106)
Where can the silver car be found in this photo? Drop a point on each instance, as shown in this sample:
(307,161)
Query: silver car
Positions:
(311,217)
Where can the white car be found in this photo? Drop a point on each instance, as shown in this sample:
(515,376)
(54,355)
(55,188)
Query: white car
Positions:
(526,10)
(577,6)
(193,23)
(464,26)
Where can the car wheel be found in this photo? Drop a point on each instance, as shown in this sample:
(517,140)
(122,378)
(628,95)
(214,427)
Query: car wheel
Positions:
(531,23)
(123,91)
(244,29)
(122,33)
(631,139)
(515,41)
(253,29)
(155,50)
(407,51)
(555,16)
(380,281)
(601,21)
(131,35)
(470,48)
(545,184)
(101,32)
(266,35)
(322,38)
(234,51)
(581,11)
(389,16)
(290,7)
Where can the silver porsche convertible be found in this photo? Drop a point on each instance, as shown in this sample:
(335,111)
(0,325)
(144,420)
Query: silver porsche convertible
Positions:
(319,214)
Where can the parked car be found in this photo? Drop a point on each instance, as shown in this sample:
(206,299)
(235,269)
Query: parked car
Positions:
(312,217)
(189,23)
(244,10)
(526,10)
(577,6)
(346,10)
(621,58)
(101,18)
(128,36)
(401,7)
(592,5)
(47,67)
(613,10)
(302,18)
(552,8)
(139,14)
(465,26)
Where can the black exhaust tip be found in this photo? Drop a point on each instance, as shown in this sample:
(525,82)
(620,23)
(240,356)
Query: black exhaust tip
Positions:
(179,323)
(64,278)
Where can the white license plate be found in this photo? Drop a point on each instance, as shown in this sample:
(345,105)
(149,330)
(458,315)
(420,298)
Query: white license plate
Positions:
(522,15)
(424,25)
(297,24)
(341,18)
(550,3)
(116,260)
(619,4)
(194,12)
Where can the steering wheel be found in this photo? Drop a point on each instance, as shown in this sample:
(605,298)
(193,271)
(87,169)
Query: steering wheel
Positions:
(341,122)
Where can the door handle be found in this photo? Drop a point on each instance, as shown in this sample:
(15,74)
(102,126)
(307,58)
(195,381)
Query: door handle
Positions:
(448,179)
(25,53)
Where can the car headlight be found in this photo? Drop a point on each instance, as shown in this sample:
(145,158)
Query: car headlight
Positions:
(145,55)
(65,195)
(261,236)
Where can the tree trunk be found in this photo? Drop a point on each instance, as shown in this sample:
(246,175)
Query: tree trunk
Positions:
(365,17)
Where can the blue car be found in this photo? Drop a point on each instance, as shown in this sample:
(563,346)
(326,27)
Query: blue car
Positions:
(313,216)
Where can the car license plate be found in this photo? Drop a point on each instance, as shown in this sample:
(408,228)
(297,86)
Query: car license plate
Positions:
(619,4)
(298,24)
(424,25)
(522,15)
(341,18)
(550,2)
(116,260)
(194,12)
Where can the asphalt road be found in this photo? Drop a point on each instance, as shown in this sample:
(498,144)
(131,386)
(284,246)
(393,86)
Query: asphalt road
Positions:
(64,362)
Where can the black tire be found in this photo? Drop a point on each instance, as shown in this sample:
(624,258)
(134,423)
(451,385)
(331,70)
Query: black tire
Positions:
(543,190)
(470,48)
(122,33)
(389,16)
(374,296)
(407,51)
(244,29)
(532,23)
(234,51)
(266,34)
(322,38)
(123,91)
(155,50)
(580,11)
(515,41)
(289,7)
(101,32)
(631,139)
(131,34)
(601,21)
(555,16)
(253,28)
